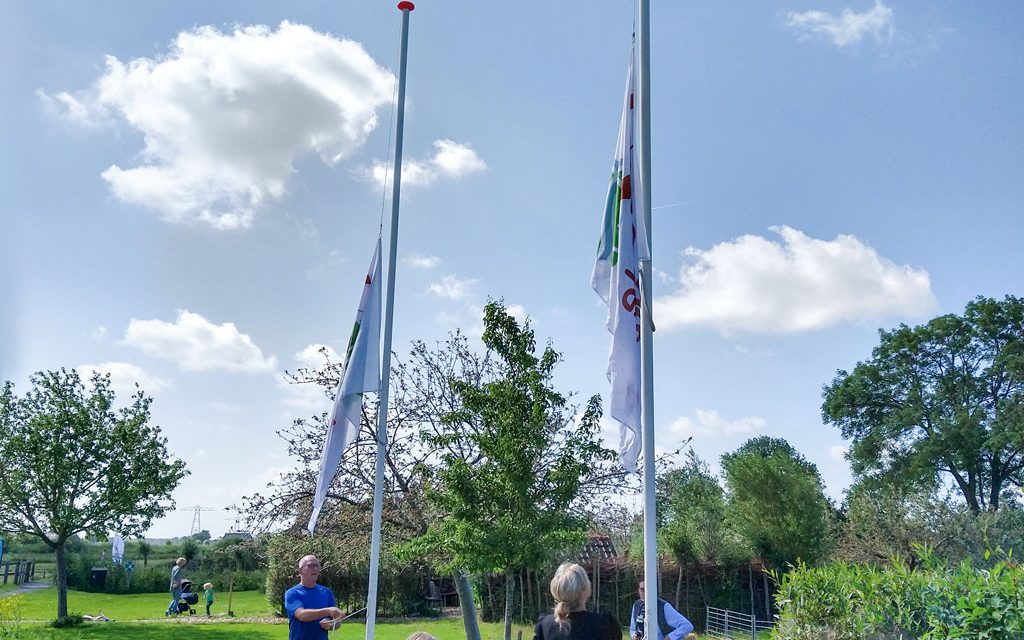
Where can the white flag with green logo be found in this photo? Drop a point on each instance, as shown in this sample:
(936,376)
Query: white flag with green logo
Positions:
(616,279)
(360,374)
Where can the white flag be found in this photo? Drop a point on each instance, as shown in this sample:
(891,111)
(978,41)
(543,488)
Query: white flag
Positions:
(116,549)
(616,279)
(360,374)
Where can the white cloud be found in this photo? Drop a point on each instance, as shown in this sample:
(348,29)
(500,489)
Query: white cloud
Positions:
(837,452)
(123,376)
(417,261)
(452,288)
(225,115)
(710,423)
(195,344)
(847,28)
(79,112)
(308,398)
(518,312)
(450,160)
(99,334)
(312,356)
(758,285)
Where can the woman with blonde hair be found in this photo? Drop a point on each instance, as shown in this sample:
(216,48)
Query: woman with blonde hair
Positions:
(571,620)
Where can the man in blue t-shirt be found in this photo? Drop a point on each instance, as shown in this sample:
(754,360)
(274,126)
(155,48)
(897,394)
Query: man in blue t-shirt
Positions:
(310,606)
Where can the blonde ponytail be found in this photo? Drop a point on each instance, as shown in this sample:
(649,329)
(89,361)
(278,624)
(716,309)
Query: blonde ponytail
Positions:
(569,588)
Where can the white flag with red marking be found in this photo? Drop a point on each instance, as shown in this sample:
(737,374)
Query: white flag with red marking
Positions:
(360,374)
(616,279)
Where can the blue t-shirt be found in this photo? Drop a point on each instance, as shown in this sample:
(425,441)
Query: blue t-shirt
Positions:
(299,597)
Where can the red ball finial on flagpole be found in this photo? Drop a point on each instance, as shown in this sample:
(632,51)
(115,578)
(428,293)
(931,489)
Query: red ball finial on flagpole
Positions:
(405,5)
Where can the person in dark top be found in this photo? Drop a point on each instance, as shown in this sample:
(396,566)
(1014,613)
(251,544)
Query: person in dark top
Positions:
(571,620)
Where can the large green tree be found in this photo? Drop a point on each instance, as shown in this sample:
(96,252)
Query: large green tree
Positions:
(777,501)
(692,523)
(511,502)
(73,464)
(940,400)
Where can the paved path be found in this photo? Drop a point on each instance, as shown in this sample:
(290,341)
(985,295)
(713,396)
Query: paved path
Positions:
(25,588)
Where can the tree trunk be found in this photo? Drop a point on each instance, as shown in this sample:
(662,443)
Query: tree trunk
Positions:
(767,596)
(679,583)
(522,594)
(750,583)
(465,591)
(510,598)
(62,582)
(529,593)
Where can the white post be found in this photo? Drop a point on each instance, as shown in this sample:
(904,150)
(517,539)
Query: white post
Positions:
(646,333)
(382,411)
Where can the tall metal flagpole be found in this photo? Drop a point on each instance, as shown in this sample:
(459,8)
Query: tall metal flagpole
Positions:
(647,331)
(382,411)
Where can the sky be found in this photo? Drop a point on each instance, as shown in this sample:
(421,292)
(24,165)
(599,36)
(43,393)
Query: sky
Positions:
(192,193)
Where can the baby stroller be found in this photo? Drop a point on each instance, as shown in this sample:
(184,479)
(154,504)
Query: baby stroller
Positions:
(187,598)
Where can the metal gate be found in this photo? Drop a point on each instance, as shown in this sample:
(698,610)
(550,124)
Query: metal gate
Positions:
(722,623)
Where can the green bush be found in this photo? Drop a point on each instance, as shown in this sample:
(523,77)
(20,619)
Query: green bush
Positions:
(929,600)
(344,571)
(70,620)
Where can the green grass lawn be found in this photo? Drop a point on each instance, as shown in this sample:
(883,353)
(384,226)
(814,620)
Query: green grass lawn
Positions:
(178,630)
(42,604)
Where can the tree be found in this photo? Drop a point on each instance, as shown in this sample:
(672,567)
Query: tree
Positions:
(189,549)
(511,502)
(777,501)
(201,536)
(72,464)
(422,433)
(228,557)
(944,400)
(144,550)
(692,522)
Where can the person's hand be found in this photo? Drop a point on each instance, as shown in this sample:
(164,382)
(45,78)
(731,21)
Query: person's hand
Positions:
(330,624)
(335,613)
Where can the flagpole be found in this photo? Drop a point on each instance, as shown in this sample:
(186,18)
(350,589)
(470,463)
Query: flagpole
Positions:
(647,330)
(382,411)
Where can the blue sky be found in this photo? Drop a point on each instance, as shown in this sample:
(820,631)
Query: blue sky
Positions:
(190,197)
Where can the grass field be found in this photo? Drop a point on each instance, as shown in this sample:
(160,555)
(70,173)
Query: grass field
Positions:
(42,605)
(141,616)
(442,629)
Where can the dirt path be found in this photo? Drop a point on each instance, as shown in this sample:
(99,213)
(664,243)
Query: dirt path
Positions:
(25,588)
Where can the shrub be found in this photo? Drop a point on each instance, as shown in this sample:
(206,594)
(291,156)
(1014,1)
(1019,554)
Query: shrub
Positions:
(10,617)
(344,571)
(70,620)
(853,601)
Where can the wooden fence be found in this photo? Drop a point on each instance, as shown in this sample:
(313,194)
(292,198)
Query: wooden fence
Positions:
(21,572)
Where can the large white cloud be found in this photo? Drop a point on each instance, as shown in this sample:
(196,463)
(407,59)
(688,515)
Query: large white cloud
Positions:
(450,160)
(123,378)
(196,344)
(847,28)
(760,285)
(225,115)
